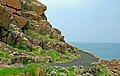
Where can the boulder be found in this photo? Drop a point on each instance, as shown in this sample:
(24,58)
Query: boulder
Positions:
(38,7)
(35,6)
(5,18)
(14,4)
(57,31)
(58,48)
(20,59)
(50,45)
(28,44)
(54,33)
(20,20)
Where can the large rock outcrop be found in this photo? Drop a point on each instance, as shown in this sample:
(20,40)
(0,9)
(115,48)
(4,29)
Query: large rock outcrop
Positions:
(24,21)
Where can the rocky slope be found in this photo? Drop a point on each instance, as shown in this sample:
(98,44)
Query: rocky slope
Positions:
(25,32)
(20,19)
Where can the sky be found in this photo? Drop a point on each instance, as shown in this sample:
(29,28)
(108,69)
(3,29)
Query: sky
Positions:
(85,20)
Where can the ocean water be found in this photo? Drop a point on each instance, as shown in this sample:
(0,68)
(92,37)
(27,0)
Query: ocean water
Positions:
(107,51)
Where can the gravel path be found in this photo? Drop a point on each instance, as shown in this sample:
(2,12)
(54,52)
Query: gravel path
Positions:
(85,60)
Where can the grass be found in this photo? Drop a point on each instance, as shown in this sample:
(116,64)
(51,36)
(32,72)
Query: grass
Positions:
(48,56)
(21,46)
(58,57)
(31,70)
(4,54)
(10,71)
(37,35)
(99,70)
(54,54)
(45,70)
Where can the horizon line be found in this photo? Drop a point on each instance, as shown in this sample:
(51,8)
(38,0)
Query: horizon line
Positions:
(91,42)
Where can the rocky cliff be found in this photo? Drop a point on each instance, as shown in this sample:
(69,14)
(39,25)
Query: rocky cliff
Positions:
(25,30)
(24,21)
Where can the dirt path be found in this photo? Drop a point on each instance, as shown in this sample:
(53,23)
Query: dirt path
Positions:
(85,60)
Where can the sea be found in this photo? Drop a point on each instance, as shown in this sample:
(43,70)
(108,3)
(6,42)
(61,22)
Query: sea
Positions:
(107,51)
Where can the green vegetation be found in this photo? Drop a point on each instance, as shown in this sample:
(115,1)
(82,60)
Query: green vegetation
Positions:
(101,70)
(64,71)
(55,56)
(43,56)
(58,57)
(4,54)
(43,70)
(10,71)
(37,35)
(96,70)
(22,46)
(29,70)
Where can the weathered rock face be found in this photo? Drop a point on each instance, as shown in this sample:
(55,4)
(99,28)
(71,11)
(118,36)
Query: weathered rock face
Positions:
(20,21)
(19,17)
(16,4)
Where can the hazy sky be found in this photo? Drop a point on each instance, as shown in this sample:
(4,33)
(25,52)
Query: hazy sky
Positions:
(85,20)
